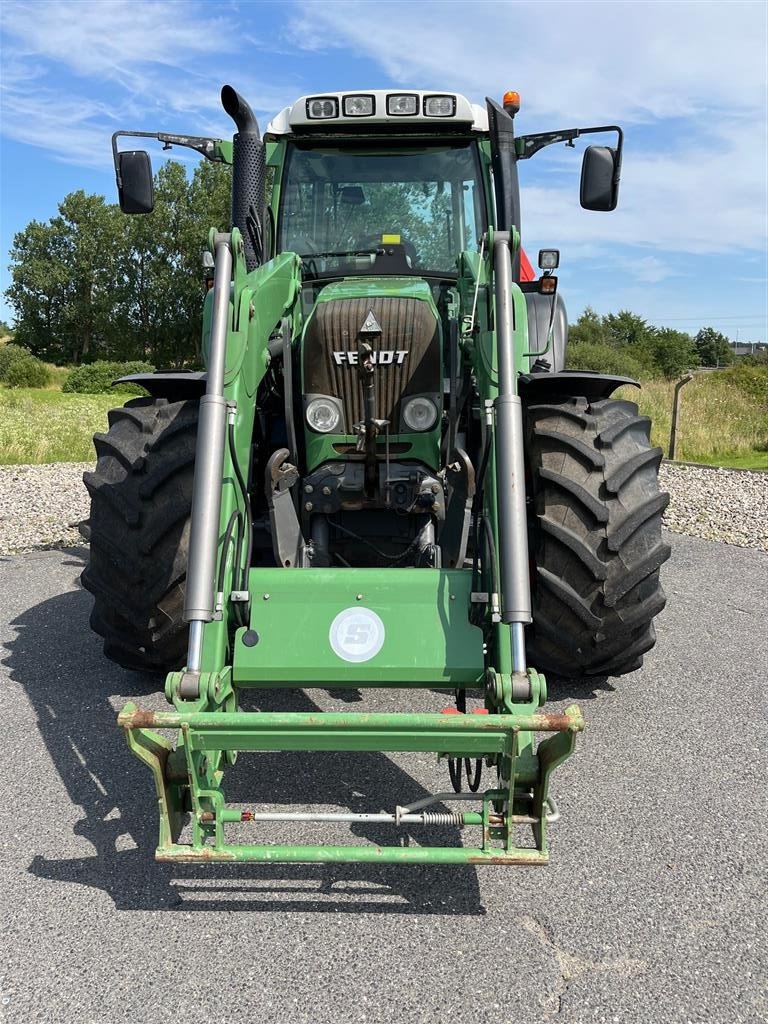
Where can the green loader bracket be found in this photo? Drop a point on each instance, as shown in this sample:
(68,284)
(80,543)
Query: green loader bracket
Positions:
(188,779)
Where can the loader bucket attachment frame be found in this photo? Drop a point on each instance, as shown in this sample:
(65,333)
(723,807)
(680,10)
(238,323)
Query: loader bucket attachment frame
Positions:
(208,739)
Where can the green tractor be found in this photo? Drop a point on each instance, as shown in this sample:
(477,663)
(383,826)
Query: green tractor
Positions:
(385,477)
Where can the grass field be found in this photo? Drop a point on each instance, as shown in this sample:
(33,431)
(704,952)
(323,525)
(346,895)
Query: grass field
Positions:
(46,425)
(720,424)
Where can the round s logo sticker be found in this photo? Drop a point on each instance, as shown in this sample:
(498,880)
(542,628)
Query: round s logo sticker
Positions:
(356,634)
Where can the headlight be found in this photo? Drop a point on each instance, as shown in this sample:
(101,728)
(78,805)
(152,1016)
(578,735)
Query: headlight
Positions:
(402,105)
(323,415)
(439,106)
(357,106)
(322,106)
(420,414)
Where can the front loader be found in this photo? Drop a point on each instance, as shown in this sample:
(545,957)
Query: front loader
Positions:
(385,477)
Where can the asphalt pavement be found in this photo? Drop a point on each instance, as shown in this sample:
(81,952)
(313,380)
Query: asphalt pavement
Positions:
(652,909)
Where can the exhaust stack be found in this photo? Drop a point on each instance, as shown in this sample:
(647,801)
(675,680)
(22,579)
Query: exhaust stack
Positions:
(248,176)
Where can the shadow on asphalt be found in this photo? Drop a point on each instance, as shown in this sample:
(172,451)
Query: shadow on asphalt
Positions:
(69,684)
(584,688)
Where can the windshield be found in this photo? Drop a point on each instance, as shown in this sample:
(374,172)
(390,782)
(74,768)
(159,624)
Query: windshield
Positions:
(337,205)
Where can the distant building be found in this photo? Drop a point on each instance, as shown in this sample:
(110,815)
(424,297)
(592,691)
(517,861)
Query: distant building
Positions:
(748,348)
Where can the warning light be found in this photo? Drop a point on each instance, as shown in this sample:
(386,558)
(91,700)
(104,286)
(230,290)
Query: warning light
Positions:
(511,102)
(547,285)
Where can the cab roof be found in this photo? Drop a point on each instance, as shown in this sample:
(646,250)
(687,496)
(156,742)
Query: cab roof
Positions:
(331,111)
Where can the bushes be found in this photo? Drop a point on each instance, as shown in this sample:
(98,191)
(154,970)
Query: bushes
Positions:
(585,355)
(20,369)
(622,342)
(750,380)
(96,378)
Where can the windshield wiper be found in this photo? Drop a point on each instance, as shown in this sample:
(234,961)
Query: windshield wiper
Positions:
(309,256)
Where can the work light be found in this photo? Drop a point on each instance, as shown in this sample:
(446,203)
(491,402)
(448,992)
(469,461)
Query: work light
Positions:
(402,104)
(320,107)
(439,106)
(358,106)
(549,259)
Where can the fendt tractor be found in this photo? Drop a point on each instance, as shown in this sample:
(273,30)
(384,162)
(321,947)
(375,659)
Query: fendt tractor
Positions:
(385,477)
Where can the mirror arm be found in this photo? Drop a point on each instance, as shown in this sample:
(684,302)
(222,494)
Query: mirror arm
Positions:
(207,147)
(528,145)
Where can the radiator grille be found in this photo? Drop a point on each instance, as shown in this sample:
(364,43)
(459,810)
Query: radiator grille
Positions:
(407,325)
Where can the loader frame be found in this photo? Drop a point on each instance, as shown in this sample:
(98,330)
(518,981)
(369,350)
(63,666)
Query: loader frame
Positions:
(210,731)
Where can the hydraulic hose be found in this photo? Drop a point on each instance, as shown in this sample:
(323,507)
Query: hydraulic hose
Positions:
(247,505)
(234,518)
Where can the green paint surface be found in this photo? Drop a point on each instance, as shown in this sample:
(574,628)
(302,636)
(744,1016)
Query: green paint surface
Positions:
(428,639)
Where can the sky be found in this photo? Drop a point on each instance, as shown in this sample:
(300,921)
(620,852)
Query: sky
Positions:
(688,245)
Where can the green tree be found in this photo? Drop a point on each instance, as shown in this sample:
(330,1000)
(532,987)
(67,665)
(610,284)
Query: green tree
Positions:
(713,347)
(759,357)
(626,328)
(163,296)
(93,284)
(38,290)
(673,352)
(588,329)
(62,274)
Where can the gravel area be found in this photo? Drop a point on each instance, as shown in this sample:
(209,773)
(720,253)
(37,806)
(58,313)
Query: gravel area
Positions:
(728,505)
(40,504)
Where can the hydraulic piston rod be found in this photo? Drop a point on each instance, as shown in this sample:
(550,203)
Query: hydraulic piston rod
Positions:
(209,461)
(510,468)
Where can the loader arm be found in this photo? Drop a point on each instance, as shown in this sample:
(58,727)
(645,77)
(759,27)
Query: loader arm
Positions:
(246,634)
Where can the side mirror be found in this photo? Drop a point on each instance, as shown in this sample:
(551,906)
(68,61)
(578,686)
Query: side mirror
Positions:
(599,179)
(135,187)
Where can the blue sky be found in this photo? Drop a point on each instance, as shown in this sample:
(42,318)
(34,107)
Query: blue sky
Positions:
(687,81)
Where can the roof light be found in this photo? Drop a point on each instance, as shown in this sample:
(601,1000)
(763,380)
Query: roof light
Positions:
(358,106)
(439,106)
(402,104)
(321,107)
(511,102)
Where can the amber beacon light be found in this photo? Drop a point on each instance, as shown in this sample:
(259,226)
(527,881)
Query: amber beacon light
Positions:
(511,102)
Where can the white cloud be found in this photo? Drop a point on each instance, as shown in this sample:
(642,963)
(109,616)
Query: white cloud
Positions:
(699,198)
(636,61)
(151,67)
(694,71)
(115,39)
(649,269)
(73,127)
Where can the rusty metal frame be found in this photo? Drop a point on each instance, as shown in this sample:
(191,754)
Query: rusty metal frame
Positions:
(191,776)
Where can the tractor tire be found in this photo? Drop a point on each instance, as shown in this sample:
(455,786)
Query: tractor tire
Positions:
(595,536)
(141,497)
